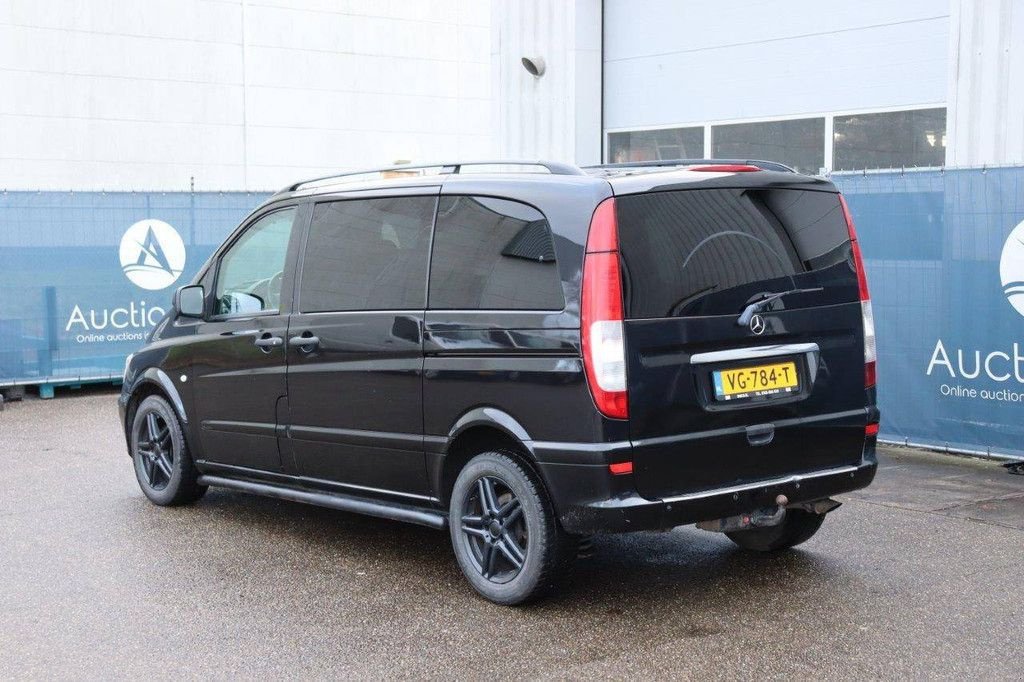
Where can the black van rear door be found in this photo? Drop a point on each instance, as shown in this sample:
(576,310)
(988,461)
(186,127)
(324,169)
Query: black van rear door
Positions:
(713,403)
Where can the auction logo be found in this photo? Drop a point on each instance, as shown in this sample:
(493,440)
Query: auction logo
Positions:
(1011,268)
(152,254)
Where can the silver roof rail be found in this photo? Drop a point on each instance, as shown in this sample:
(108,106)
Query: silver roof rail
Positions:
(449,168)
(668,163)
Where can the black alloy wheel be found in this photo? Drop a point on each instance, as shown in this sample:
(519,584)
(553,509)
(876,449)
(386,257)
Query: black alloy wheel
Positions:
(154,450)
(504,531)
(495,529)
(163,464)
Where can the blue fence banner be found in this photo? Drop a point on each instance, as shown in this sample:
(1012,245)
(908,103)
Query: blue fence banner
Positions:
(945,262)
(84,276)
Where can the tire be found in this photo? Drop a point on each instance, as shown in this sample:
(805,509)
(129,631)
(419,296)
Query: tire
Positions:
(520,513)
(163,465)
(798,526)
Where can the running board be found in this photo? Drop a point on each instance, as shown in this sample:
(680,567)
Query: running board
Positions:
(357,505)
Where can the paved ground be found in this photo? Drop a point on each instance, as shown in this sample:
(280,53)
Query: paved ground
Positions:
(919,575)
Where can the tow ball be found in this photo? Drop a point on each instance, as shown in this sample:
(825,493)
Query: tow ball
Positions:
(766,517)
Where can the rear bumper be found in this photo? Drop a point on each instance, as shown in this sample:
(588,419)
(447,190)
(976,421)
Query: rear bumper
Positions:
(624,510)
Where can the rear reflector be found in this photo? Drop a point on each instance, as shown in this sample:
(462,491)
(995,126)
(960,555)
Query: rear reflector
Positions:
(867,316)
(871,430)
(601,333)
(620,468)
(725,168)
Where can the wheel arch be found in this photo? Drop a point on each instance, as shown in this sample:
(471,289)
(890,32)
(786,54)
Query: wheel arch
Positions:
(479,430)
(153,381)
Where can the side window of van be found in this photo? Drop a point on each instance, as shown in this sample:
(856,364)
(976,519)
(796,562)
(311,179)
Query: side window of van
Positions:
(493,254)
(367,254)
(250,272)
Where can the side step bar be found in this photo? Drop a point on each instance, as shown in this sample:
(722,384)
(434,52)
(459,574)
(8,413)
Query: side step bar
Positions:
(384,510)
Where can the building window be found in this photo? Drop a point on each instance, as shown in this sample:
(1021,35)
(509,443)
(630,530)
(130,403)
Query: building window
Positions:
(894,139)
(798,143)
(656,145)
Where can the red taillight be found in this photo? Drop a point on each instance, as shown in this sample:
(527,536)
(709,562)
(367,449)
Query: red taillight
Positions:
(726,168)
(604,228)
(621,468)
(604,356)
(858,259)
(871,430)
(870,355)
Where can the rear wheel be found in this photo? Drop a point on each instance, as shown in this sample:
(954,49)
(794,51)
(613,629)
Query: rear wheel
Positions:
(504,532)
(798,526)
(163,464)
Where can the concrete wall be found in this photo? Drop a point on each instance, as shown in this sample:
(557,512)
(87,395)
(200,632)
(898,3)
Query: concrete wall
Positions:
(693,61)
(558,115)
(240,94)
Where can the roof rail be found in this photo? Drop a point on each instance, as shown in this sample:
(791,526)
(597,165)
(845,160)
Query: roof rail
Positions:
(449,168)
(763,165)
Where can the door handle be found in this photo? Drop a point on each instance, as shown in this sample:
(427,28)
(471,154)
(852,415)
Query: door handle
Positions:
(307,344)
(266,342)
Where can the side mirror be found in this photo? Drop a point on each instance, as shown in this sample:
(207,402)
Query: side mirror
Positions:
(189,301)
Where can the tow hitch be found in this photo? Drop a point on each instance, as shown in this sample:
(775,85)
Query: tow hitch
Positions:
(767,516)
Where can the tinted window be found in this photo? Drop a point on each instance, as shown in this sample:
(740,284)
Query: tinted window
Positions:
(367,254)
(893,139)
(707,252)
(656,145)
(493,254)
(799,143)
(249,277)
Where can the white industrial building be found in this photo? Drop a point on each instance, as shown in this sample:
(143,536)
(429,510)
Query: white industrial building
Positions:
(249,94)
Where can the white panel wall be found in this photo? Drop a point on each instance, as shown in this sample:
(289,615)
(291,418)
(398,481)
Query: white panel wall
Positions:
(558,115)
(683,61)
(986,84)
(240,94)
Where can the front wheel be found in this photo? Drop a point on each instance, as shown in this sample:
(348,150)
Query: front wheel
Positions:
(504,532)
(163,464)
(798,526)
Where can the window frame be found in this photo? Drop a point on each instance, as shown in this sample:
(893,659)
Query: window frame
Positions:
(716,132)
(944,137)
(286,279)
(829,139)
(433,191)
(557,262)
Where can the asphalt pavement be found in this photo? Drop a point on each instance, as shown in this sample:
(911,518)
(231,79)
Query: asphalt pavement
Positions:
(919,575)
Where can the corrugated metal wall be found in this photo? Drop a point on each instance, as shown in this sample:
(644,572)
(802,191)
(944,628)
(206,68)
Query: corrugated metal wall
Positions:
(672,61)
(986,83)
(99,94)
(558,115)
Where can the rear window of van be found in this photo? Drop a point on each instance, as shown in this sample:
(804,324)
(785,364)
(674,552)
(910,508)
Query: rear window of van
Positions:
(708,252)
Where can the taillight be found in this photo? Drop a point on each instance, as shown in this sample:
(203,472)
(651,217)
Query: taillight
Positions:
(604,348)
(871,430)
(870,356)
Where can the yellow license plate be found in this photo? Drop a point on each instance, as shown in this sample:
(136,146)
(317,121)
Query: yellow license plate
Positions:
(754,382)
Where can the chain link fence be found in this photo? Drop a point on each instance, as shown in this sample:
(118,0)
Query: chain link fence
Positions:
(945,260)
(83,275)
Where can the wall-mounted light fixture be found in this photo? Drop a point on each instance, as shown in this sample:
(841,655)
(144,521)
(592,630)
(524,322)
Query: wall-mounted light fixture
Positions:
(535,65)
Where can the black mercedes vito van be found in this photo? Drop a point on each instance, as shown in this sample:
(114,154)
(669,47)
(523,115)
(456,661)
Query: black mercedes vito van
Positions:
(525,354)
